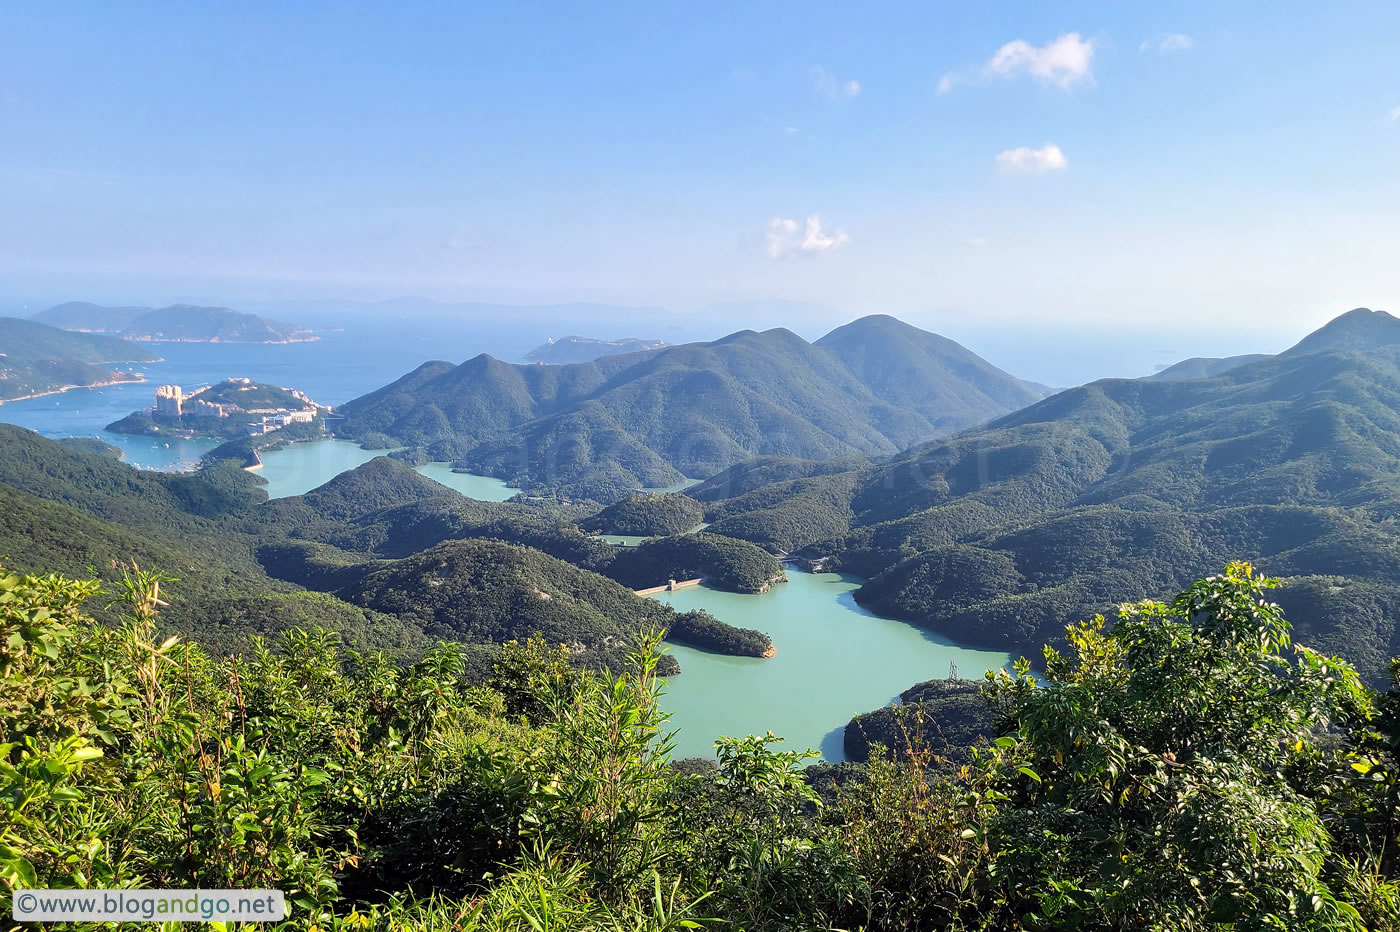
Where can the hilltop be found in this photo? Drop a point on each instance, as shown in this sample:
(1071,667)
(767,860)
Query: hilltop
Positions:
(178,323)
(585,349)
(36,359)
(1000,535)
(228,410)
(393,560)
(1357,330)
(605,428)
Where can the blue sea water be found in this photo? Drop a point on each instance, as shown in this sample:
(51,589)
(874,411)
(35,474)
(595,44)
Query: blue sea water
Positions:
(332,370)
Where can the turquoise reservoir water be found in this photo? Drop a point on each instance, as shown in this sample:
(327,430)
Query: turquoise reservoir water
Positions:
(300,467)
(834,659)
(481,488)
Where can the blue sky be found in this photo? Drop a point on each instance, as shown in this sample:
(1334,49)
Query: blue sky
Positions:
(1098,164)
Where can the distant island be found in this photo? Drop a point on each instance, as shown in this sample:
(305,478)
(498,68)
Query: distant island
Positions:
(586,349)
(178,323)
(230,410)
(36,359)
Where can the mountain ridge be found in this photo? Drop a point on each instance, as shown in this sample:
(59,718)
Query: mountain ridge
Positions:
(37,359)
(180,323)
(607,427)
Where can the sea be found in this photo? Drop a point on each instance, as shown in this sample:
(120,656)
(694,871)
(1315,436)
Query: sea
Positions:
(834,658)
(342,364)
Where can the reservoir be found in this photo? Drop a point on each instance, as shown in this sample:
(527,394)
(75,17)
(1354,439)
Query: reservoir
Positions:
(300,467)
(835,659)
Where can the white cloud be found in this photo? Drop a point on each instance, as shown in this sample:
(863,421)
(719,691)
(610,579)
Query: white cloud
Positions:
(1065,63)
(790,131)
(1166,42)
(1028,161)
(787,237)
(829,86)
(1394,114)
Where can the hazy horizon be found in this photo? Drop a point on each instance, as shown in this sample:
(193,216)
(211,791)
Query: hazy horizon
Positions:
(1103,169)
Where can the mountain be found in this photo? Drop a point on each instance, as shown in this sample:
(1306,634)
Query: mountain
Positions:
(1360,330)
(1001,535)
(68,510)
(1203,367)
(605,428)
(94,318)
(585,349)
(486,591)
(912,368)
(36,359)
(178,323)
(648,515)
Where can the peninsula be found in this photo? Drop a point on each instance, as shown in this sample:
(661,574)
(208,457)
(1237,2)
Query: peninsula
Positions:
(36,360)
(178,323)
(228,410)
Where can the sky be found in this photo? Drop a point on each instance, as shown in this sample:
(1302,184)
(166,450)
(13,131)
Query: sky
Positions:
(994,166)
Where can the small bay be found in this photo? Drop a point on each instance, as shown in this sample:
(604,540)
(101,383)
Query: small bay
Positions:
(835,659)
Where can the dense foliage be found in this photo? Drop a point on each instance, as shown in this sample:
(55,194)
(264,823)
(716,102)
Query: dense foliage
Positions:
(725,563)
(475,591)
(36,359)
(1002,535)
(1187,769)
(945,718)
(240,557)
(699,628)
(603,429)
(648,515)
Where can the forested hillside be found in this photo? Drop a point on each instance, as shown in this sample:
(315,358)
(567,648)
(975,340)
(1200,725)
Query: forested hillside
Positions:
(647,515)
(1191,768)
(498,572)
(180,323)
(36,359)
(606,428)
(1001,535)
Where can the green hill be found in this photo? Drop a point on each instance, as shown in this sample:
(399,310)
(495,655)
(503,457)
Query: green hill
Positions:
(945,382)
(66,509)
(583,349)
(1204,367)
(37,359)
(181,323)
(605,428)
(1121,488)
(1357,330)
(945,717)
(487,591)
(1361,329)
(243,401)
(649,515)
(84,315)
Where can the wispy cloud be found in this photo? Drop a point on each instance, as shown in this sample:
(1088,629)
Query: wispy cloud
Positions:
(787,237)
(1066,63)
(1028,161)
(1167,42)
(832,88)
(1394,115)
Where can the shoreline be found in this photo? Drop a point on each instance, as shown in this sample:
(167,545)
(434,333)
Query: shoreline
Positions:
(312,339)
(69,388)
